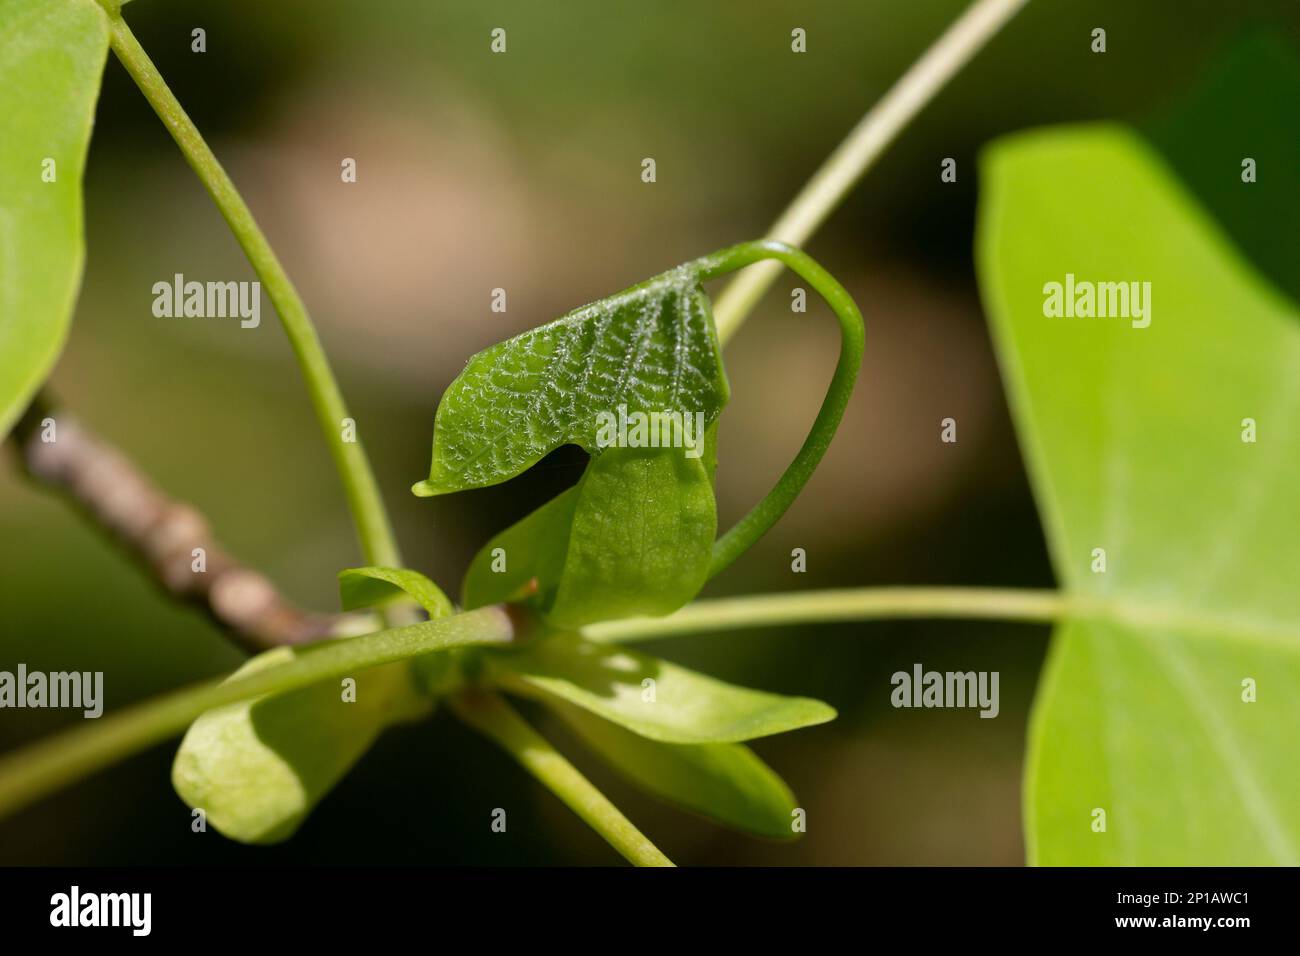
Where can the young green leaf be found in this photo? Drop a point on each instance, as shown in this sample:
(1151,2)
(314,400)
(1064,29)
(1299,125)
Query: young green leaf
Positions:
(258,767)
(1162,443)
(641,538)
(648,696)
(727,782)
(651,348)
(632,538)
(372,587)
(51,58)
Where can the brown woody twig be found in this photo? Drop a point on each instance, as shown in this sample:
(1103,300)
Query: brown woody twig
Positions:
(167,536)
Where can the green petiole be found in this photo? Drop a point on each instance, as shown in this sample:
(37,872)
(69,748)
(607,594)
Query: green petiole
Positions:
(494,718)
(42,768)
(378,543)
(754,525)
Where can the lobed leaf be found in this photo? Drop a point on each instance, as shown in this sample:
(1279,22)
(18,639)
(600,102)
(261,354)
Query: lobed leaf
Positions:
(1134,440)
(648,696)
(51,59)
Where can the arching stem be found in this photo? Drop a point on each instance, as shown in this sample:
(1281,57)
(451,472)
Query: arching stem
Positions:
(378,543)
(754,525)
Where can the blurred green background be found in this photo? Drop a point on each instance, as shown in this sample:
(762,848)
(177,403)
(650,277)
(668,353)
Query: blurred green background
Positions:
(522,171)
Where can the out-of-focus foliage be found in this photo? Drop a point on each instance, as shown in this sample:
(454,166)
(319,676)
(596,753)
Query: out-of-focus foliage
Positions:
(1245,110)
(51,57)
(1140,435)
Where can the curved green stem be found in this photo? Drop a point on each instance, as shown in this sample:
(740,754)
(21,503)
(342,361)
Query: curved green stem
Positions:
(852,342)
(367,507)
(847,604)
(494,718)
(865,143)
(42,768)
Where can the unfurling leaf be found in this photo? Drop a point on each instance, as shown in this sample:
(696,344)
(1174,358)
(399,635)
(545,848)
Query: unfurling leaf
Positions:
(51,58)
(372,587)
(648,696)
(637,381)
(1132,427)
(649,349)
(727,782)
(634,536)
(375,587)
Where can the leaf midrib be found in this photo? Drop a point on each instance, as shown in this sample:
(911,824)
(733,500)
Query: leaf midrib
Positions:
(1128,612)
(1260,808)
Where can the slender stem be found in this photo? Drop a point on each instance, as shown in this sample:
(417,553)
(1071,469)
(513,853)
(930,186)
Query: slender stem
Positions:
(994,604)
(64,758)
(852,342)
(494,718)
(863,146)
(364,501)
(848,604)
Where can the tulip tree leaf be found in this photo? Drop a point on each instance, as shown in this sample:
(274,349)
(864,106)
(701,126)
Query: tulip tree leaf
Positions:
(51,59)
(258,767)
(634,537)
(370,587)
(652,348)
(1170,701)
(726,782)
(648,696)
